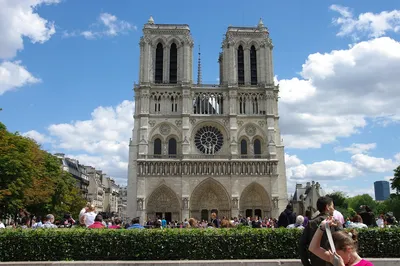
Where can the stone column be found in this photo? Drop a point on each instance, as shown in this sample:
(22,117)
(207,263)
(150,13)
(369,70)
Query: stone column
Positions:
(166,51)
(247,71)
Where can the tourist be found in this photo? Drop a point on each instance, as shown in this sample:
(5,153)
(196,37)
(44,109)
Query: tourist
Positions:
(49,221)
(97,223)
(298,224)
(345,245)
(136,224)
(89,216)
(287,217)
(116,224)
(326,208)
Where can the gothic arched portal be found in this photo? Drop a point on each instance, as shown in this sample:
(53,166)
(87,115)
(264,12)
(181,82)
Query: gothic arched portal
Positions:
(209,195)
(163,202)
(255,201)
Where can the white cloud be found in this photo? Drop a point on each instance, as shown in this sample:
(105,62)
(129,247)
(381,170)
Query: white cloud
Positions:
(339,91)
(38,137)
(101,142)
(18,20)
(114,166)
(374,164)
(388,178)
(370,24)
(106,25)
(291,160)
(356,148)
(324,170)
(13,75)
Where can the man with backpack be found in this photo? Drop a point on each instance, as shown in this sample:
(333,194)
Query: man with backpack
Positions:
(287,217)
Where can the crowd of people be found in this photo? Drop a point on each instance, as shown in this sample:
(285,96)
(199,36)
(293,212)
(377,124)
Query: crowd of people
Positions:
(88,217)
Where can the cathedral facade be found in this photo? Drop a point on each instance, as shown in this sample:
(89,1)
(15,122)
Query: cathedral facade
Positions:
(198,148)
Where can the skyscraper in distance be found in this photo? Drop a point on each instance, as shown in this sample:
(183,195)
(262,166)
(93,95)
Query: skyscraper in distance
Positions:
(382,190)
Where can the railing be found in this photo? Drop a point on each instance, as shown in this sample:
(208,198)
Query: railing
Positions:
(201,86)
(201,156)
(207,167)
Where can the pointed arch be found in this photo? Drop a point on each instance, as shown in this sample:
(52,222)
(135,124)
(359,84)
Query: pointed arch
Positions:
(210,195)
(257,147)
(255,197)
(173,63)
(253,65)
(163,199)
(240,64)
(159,65)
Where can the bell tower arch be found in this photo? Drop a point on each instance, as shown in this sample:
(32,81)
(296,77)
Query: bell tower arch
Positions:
(166,54)
(246,57)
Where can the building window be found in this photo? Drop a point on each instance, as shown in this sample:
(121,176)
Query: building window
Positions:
(255,106)
(159,63)
(243,147)
(157,104)
(240,65)
(173,64)
(172,147)
(242,105)
(157,147)
(253,65)
(257,148)
(174,104)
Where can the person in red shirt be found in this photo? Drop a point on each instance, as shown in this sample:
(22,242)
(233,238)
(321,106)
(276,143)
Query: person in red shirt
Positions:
(98,222)
(116,224)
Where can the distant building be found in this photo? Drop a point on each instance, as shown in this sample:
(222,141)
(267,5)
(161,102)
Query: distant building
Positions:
(111,196)
(77,171)
(122,203)
(305,197)
(382,190)
(96,188)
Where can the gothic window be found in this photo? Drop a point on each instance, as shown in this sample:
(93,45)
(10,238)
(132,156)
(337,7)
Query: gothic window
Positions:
(240,58)
(208,103)
(173,64)
(253,65)
(208,140)
(242,105)
(172,147)
(157,146)
(159,63)
(243,147)
(174,104)
(255,106)
(157,104)
(257,148)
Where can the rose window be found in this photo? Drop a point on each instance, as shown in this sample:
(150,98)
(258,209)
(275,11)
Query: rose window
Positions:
(208,140)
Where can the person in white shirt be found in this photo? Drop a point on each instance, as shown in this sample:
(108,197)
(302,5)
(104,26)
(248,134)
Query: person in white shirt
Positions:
(2,226)
(357,223)
(298,224)
(48,221)
(82,213)
(89,216)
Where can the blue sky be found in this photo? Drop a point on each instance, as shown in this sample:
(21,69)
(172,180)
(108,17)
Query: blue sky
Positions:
(67,70)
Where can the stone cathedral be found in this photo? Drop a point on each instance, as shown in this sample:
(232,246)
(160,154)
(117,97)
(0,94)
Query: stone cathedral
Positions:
(198,148)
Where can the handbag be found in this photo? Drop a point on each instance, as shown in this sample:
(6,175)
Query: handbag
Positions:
(336,257)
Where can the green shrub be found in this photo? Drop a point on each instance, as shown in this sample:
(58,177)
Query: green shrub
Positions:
(173,244)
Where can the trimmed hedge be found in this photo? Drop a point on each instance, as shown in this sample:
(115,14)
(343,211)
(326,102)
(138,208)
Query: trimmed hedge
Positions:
(173,244)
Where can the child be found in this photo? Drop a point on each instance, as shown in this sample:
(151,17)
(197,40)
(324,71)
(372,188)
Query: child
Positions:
(345,244)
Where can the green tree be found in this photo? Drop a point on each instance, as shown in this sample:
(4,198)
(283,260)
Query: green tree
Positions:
(365,199)
(339,199)
(33,179)
(396,180)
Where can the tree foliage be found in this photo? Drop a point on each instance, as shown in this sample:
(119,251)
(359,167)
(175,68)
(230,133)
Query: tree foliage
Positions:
(339,199)
(364,199)
(396,180)
(32,179)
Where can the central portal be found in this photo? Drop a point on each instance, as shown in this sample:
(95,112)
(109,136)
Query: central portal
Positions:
(209,196)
